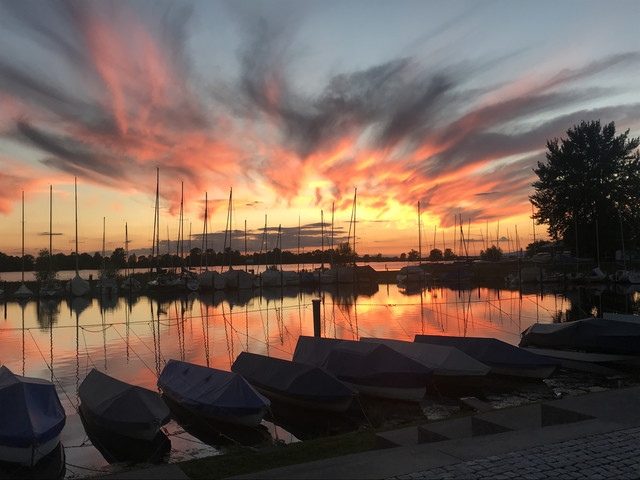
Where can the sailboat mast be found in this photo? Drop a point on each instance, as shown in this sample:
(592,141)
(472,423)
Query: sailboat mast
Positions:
(419,237)
(332,216)
(104,220)
(322,237)
(246,266)
(126,246)
(75,185)
(22,236)
(355,196)
(50,229)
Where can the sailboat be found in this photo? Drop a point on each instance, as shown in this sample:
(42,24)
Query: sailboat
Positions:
(209,279)
(129,284)
(23,292)
(78,286)
(413,274)
(108,284)
(51,287)
(173,282)
(234,278)
(279,277)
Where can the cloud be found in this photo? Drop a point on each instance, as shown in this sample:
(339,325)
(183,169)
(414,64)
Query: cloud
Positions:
(123,96)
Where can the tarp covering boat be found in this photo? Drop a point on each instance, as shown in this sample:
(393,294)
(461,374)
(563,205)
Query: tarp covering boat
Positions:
(122,408)
(444,360)
(503,358)
(216,394)
(31,417)
(597,335)
(390,373)
(305,385)
(490,351)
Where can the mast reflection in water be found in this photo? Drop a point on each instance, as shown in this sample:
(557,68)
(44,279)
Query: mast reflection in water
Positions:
(133,338)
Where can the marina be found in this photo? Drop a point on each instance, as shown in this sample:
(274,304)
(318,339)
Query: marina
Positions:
(133,337)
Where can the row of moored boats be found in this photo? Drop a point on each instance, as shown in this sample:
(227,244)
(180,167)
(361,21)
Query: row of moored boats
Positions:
(324,375)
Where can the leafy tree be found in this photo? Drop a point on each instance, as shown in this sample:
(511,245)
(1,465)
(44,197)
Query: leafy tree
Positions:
(492,254)
(534,247)
(413,255)
(448,254)
(119,258)
(43,267)
(344,254)
(435,255)
(589,189)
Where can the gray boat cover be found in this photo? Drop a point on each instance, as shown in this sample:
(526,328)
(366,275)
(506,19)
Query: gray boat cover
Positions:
(30,410)
(121,407)
(293,379)
(210,391)
(445,361)
(596,335)
(489,351)
(362,363)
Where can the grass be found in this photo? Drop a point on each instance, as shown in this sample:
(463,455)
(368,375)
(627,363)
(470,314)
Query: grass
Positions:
(245,460)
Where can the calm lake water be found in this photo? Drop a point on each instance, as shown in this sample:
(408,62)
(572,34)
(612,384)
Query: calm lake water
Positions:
(132,338)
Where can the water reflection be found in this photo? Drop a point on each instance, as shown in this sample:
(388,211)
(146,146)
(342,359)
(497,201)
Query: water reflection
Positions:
(132,337)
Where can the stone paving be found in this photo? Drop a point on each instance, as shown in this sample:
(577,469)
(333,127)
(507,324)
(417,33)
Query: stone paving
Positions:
(614,455)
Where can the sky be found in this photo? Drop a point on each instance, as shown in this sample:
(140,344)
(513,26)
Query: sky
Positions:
(297,108)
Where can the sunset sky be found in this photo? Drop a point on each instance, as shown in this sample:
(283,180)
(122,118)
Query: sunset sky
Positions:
(294,104)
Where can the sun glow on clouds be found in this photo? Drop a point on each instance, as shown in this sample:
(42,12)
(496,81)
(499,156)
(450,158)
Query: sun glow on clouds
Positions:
(401,132)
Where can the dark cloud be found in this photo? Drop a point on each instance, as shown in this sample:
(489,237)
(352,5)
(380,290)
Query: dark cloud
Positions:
(407,131)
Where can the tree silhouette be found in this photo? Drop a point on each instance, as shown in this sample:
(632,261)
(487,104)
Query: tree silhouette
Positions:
(588,190)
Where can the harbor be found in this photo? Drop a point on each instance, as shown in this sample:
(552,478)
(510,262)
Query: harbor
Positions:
(133,337)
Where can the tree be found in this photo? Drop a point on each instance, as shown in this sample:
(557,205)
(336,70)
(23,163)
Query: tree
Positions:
(588,190)
(43,268)
(119,258)
(413,255)
(448,254)
(435,255)
(492,254)
(344,254)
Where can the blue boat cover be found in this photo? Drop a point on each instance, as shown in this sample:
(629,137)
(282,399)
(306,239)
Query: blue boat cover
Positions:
(596,335)
(294,379)
(30,410)
(489,351)
(210,391)
(362,363)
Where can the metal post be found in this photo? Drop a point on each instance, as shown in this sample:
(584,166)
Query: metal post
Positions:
(316,317)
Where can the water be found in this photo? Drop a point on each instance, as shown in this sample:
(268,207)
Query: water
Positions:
(132,339)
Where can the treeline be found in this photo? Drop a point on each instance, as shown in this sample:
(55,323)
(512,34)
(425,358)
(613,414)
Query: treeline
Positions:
(118,260)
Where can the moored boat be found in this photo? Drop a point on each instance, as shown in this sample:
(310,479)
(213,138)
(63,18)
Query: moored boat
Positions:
(215,395)
(592,335)
(121,408)
(294,383)
(503,359)
(372,369)
(31,418)
(454,372)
